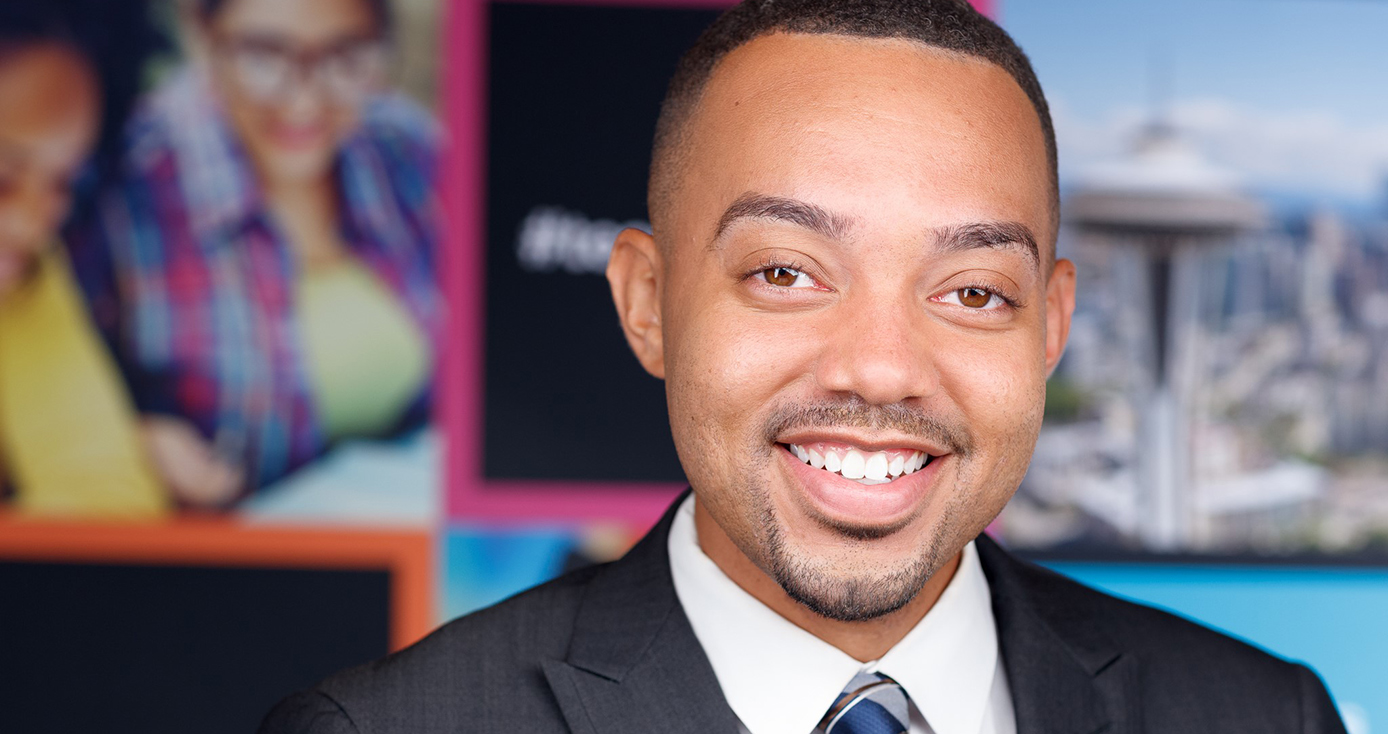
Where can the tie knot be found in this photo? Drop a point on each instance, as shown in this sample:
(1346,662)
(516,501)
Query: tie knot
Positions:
(871,703)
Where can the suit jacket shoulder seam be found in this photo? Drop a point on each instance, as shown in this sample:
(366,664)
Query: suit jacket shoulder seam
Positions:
(338,705)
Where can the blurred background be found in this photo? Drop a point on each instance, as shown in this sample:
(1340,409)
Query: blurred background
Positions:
(305,346)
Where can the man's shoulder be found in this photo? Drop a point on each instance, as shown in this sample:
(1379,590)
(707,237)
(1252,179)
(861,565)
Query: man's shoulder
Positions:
(534,624)
(456,674)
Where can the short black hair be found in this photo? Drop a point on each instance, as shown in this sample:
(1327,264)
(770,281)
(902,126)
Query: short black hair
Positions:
(26,23)
(951,25)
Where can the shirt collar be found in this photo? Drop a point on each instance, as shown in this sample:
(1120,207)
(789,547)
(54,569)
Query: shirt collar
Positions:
(947,661)
(780,679)
(215,176)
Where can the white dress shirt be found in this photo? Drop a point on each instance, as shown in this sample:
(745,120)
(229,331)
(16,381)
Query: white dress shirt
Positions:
(780,679)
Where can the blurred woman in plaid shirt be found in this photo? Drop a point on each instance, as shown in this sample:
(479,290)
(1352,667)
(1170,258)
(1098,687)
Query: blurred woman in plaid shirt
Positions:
(265,271)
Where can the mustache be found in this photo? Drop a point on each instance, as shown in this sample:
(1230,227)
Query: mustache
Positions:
(854,412)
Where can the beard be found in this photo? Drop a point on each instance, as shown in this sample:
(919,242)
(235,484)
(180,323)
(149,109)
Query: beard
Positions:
(841,583)
(839,586)
(848,590)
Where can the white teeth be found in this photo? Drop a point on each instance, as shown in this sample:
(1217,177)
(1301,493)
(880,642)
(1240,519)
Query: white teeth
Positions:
(873,468)
(876,467)
(854,465)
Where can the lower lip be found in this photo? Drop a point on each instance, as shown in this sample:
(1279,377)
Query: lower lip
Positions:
(848,502)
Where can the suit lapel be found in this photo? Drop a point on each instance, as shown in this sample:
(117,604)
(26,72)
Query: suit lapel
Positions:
(634,664)
(1066,676)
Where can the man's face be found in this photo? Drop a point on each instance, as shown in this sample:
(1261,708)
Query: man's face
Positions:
(854,275)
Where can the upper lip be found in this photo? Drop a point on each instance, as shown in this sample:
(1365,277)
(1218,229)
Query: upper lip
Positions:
(867,443)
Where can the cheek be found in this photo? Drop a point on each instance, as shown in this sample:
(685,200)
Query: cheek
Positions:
(343,121)
(724,367)
(999,387)
(249,120)
(999,391)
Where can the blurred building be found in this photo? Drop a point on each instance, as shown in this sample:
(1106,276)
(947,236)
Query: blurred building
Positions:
(1273,351)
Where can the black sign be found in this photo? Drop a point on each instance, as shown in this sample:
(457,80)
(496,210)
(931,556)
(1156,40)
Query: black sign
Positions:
(573,97)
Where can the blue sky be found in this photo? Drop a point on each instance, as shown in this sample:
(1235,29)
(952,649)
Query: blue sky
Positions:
(1293,93)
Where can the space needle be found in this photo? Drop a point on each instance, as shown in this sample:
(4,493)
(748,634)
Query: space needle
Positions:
(1167,205)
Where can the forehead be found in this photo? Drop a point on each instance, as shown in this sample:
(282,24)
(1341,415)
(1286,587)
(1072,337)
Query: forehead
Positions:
(305,20)
(50,109)
(869,127)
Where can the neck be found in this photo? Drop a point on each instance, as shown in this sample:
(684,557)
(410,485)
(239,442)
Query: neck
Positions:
(863,641)
(313,194)
(308,213)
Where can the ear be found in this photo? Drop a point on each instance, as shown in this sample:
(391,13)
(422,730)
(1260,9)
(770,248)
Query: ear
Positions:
(634,272)
(1060,306)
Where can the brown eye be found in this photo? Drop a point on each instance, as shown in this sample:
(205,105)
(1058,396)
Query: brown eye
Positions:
(783,277)
(974,297)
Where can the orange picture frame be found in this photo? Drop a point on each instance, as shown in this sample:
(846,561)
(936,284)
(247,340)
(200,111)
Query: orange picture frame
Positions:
(406,555)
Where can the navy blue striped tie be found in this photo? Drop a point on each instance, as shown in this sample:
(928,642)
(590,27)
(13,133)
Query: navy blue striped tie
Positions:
(872,703)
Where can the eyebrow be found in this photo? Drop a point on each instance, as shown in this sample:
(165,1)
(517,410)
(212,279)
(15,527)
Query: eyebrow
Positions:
(781,209)
(995,235)
(990,235)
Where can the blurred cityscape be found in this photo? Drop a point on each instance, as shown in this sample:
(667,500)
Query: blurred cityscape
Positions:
(1286,396)
(1225,389)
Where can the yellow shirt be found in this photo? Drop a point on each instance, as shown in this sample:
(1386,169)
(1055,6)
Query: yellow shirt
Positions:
(67,427)
(367,358)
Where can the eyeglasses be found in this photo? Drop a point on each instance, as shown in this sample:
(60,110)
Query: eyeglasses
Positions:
(268,68)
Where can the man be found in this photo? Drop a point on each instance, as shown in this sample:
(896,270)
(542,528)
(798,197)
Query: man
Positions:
(852,295)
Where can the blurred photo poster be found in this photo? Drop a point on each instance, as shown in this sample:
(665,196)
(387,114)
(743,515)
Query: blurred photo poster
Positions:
(559,451)
(223,298)
(222,329)
(1226,201)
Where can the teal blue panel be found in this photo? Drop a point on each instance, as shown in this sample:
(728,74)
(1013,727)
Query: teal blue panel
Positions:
(484,566)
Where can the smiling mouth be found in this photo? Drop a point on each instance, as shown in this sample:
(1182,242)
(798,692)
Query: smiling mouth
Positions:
(864,467)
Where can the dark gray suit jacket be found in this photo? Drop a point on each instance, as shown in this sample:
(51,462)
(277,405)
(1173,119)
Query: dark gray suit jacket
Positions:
(609,649)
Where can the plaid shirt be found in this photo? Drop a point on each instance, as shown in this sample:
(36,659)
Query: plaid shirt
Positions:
(193,284)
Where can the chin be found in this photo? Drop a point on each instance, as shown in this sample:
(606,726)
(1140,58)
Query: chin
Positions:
(851,551)
(14,270)
(294,165)
(855,580)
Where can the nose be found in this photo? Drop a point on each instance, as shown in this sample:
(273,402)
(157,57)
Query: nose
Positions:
(301,95)
(877,348)
(306,100)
